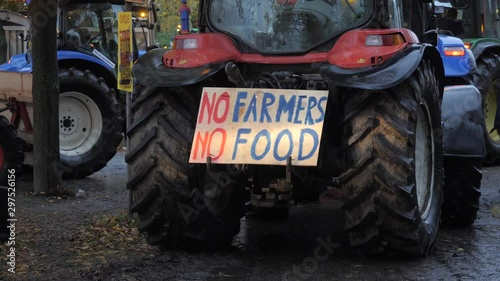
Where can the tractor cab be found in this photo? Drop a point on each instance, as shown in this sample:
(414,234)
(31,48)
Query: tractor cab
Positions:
(91,28)
(283,26)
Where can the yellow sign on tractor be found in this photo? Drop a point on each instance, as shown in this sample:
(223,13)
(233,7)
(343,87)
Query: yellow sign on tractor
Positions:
(125,54)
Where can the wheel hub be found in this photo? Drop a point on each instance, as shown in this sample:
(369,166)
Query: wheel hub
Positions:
(67,125)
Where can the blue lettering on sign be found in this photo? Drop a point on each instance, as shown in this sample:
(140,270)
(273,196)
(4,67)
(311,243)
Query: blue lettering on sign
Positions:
(314,136)
(267,101)
(321,110)
(238,105)
(263,133)
(240,140)
(311,104)
(252,108)
(285,106)
(277,143)
(300,107)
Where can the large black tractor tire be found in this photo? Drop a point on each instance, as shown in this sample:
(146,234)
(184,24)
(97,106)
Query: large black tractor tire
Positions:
(11,159)
(487,80)
(11,151)
(461,190)
(4,213)
(394,166)
(179,204)
(90,123)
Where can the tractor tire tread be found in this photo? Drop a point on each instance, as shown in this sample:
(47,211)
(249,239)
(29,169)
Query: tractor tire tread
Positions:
(73,79)
(167,201)
(380,211)
(462,190)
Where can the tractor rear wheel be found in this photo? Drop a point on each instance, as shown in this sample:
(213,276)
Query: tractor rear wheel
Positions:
(487,80)
(90,123)
(179,204)
(11,150)
(461,190)
(393,175)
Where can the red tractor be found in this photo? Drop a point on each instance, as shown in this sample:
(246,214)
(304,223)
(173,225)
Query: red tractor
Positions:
(290,100)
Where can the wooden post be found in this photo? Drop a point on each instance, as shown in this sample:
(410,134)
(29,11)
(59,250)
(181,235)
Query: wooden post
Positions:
(45,96)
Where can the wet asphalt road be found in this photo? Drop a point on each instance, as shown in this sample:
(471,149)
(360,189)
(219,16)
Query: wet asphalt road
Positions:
(286,250)
(302,248)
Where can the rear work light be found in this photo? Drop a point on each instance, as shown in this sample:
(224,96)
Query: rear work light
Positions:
(385,40)
(454,51)
(185,44)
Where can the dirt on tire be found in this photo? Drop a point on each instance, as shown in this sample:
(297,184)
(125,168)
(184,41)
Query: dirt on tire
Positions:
(170,195)
(380,182)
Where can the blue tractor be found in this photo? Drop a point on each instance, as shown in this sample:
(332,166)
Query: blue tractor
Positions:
(91,110)
(462,118)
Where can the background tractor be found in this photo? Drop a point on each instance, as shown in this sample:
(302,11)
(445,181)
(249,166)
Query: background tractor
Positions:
(479,27)
(91,110)
(462,174)
(291,99)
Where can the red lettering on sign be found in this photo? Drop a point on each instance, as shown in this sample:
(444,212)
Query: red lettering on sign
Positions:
(208,106)
(203,140)
(222,143)
(222,98)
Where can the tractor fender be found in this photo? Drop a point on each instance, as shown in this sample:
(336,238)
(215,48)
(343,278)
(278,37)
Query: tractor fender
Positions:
(462,117)
(481,46)
(72,55)
(389,74)
(454,66)
(22,62)
(150,71)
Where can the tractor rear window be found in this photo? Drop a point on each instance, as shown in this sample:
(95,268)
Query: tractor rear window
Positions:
(287,26)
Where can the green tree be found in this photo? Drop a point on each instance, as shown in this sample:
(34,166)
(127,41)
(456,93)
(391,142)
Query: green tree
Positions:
(14,6)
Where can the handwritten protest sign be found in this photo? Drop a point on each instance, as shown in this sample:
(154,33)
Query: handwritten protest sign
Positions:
(259,126)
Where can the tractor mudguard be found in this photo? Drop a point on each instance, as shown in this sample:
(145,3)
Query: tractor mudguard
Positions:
(20,63)
(150,71)
(394,71)
(462,117)
(482,45)
(72,55)
(457,65)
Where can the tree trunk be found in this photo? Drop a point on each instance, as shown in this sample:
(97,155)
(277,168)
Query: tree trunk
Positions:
(45,96)
(3,45)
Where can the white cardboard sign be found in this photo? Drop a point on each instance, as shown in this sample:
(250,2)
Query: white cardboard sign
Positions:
(259,126)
